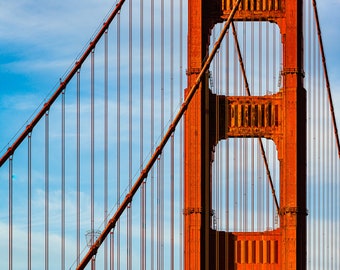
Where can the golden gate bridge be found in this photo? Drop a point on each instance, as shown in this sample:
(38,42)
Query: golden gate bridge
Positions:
(165,93)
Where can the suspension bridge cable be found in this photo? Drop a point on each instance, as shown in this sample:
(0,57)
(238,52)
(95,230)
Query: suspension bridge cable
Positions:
(10,213)
(118,133)
(160,174)
(129,210)
(317,87)
(235,148)
(308,58)
(220,156)
(158,214)
(275,216)
(127,200)
(263,153)
(245,146)
(78,165)
(328,190)
(152,128)
(172,157)
(62,251)
(266,141)
(329,92)
(259,167)
(112,250)
(227,146)
(323,161)
(252,83)
(46,189)
(141,136)
(92,139)
(29,201)
(106,136)
(181,135)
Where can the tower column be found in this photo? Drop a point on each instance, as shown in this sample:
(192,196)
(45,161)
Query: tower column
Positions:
(293,149)
(197,183)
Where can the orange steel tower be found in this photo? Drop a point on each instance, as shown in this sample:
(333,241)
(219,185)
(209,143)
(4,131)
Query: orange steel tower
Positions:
(280,117)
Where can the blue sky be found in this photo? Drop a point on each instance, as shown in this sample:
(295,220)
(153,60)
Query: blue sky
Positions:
(39,40)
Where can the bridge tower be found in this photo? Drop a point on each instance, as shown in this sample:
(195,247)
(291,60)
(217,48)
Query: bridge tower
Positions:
(280,117)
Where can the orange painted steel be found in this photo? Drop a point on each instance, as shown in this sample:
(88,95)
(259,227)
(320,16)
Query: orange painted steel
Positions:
(197,203)
(280,117)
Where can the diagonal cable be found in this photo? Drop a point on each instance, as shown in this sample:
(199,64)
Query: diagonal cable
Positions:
(259,139)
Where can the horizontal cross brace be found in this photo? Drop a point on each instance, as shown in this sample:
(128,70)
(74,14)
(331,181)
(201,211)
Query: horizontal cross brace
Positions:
(246,116)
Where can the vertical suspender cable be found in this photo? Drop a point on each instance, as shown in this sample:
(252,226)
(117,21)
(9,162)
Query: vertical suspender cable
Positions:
(172,198)
(259,168)
(63,180)
(46,188)
(92,155)
(181,136)
(319,159)
(267,146)
(331,231)
(318,152)
(159,237)
(317,109)
(252,85)
(313,148)
(331,198)
(328,192)
(236,180)
(106,144)
(29,202)
(240,153)
(78,166)
(305,64)
(152,107)
(336,210)
(227,149)
(310,244)
(221,88)
(129,211)
(112,250)
(322,164)
(118,136)
(222,146)
(218,152)
(161,175)
(10,214)
(141,141)
(245,142)
(324,171)
(275,215)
